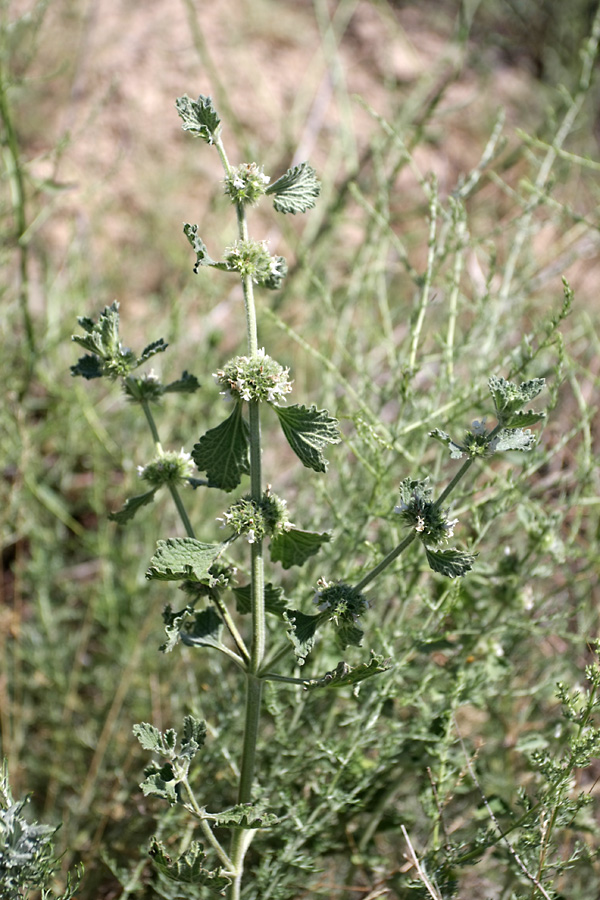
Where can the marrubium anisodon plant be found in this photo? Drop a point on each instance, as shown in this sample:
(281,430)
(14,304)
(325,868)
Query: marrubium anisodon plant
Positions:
(264,635)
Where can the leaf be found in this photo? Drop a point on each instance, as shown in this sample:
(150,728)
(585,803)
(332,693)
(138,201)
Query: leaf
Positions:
(223,452)
(205,632)
(308,431)
(194,736)
(344,675)
(296,190)
(161,783)
(186,558)
(152,349)
(294,547)
(245,815)
(131,506)
(456,451)
(347,634)
(88,367)
(452,563)
(513,439)
(203,258)
(509,397)
(521,419)
(156,741)
(275,602)
(187,384)
(199,117)
(301,632)
(173,625)
(188,868)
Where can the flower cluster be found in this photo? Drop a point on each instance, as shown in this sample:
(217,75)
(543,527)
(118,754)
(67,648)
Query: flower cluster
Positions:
(418,511)
(246,183)
(148,388)
(245,517)
(341,601)
(169,467)
(252,260)
(257,520)
(254,378)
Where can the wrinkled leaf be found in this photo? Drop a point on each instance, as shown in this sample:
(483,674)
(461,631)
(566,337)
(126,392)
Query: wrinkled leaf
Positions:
(275,602)
(199,117)
(344,675)
(452,563)
(308,431)
(188,868)
(186,558)
(131,506)
(156,741)
(187,384)
(301,632)
(294,547)
(456,451)
(161,783)
(296,190)
(513,439)
(223,452)
(245,815)
(205,632)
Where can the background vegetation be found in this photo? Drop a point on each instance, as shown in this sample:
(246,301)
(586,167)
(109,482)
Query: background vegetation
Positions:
(475,117)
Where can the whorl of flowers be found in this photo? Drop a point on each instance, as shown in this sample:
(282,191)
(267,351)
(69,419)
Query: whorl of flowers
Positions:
(252,260)
(432,524)
(254,378)
(169,467)
(341,601)
(246,183)
(257,520)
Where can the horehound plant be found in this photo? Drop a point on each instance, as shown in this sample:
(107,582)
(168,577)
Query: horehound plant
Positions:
(264,634)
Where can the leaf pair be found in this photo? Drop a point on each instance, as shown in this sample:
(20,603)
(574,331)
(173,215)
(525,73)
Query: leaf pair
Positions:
(224,451)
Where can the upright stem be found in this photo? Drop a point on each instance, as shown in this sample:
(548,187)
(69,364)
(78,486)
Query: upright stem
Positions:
(241,839)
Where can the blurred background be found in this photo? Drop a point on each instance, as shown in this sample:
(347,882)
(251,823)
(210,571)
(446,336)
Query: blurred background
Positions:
(97,181)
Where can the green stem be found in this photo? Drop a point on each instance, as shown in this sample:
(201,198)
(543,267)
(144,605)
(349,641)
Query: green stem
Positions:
(424,301)
(206,829)
(389,559)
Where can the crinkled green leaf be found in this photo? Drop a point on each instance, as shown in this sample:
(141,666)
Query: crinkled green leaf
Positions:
(294,547)
(523,418)
(245,815)
(199,117)
(296,190)
(188,868)
(156,741)
(308,431)
(513,439)
(88,367)
(509,398)
(452,563)
(187,384)
(456,451)
(301,632)
(101,338)
(203,258)
(411,488)
(184,558)
(223,452)
(174,622)
(193,738)
(344,675)
(205,632)
(347,633)
(152,349)
(131,506)
(161,783)
(275,601)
